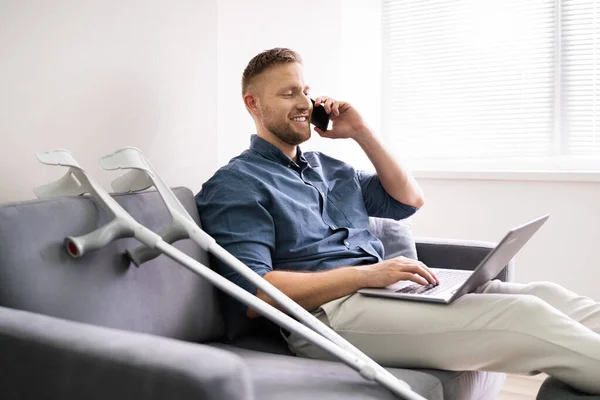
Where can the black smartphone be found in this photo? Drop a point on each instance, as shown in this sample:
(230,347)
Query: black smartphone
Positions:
(319,117)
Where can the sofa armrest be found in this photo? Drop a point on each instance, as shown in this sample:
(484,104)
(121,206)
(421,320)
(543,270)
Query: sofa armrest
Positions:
(458,254)
(51,358)
(553,389)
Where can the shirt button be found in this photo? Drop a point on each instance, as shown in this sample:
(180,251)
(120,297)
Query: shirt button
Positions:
(347,243)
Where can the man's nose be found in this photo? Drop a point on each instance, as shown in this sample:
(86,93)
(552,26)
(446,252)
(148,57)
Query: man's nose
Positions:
(305,103)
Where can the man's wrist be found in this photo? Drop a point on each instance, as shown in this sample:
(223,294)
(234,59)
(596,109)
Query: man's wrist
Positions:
(359,277)
(364,137)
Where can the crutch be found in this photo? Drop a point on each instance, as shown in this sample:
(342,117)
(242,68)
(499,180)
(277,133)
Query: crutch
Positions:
(142,176)
(76,182)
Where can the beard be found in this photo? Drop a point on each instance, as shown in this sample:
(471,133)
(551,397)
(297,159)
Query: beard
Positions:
(284,130)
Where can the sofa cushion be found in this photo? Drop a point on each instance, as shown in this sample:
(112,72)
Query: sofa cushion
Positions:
(455,384)
(51,358)
(293,378)
(269,341)
(103,287)
(396,236)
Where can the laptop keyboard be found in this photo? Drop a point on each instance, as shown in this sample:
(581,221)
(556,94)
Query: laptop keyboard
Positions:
(448,278)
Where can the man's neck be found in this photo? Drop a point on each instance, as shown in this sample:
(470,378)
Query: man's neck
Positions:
(289,150)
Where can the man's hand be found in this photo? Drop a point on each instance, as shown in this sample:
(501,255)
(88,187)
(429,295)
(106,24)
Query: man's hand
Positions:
(346,121)
(396,269)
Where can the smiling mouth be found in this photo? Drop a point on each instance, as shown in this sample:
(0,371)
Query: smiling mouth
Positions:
(300,119)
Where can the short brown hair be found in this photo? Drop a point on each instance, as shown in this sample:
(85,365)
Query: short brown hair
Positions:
(265,60)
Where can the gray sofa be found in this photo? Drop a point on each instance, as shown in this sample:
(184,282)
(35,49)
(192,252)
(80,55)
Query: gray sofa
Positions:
(553,389)
(98,327)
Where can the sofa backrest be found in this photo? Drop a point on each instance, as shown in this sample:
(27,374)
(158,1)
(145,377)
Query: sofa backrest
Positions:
(103,288)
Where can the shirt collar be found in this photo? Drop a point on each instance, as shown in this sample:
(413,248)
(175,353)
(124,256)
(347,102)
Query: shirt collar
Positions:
(271,152)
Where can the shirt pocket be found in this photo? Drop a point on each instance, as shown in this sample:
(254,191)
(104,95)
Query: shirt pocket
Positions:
(345,205)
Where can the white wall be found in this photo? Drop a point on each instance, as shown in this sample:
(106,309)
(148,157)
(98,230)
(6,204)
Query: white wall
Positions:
(563,251)
(338,41)
(165,77)
(346,65)
(93,76)
(247,28)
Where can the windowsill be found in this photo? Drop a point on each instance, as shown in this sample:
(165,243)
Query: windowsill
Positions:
(540,176)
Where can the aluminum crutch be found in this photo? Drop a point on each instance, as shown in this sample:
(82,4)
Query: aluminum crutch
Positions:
(142,176)
(76,182)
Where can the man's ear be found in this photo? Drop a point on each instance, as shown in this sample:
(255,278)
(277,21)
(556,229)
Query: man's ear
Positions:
(251,102)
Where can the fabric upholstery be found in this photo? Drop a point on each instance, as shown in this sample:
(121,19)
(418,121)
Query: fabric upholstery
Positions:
(102,287)
(50,358)
(396,236)
(553,389)
(455,384)
(293,378)
(66,359)
(458,254)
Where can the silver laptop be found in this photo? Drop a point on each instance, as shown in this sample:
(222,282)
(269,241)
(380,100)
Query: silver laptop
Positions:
(454,282)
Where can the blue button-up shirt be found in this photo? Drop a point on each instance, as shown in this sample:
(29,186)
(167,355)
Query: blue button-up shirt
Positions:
(275,214)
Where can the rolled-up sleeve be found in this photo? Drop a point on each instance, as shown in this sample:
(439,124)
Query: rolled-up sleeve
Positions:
(233,213)
(378,202)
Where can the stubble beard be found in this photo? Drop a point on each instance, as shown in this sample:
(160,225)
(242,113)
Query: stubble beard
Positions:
(284,130)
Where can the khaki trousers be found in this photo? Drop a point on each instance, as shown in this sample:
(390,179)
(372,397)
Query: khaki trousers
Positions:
(504,327)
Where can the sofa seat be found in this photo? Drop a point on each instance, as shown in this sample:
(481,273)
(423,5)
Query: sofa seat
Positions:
(275,372)
(277,376)
(100,319)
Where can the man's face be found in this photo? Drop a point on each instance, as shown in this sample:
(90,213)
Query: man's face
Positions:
(284,103)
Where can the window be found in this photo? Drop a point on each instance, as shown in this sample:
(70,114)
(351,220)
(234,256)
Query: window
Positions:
(492,84)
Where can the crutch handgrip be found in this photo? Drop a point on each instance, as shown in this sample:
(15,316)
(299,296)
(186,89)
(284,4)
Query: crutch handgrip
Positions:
(77,246)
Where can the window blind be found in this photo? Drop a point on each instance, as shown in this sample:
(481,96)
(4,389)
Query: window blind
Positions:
(475,80)
(580,86)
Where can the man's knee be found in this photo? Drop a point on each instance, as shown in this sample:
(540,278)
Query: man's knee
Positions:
(530,306)
(545,290)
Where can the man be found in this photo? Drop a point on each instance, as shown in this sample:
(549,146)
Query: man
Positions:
(300,221)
